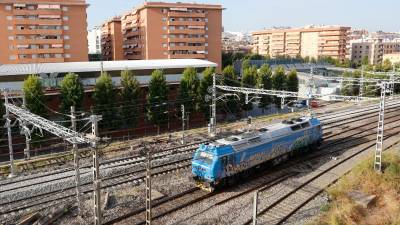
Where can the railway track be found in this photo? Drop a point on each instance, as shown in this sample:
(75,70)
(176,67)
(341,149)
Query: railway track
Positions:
(125,161)
(62,158)
(131,161)
(296,194)
(318,155)
(111,185)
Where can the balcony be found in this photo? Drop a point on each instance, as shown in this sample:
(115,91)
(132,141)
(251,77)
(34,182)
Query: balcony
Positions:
(133,57)
(189,48)
(187,31)
(40,41)
(187,56)
(23,12)
(41,51)
(329,49)
(40,31)
(186,14)
(331,33)
(187,40)
(186,23)
(132,34)
(37,22)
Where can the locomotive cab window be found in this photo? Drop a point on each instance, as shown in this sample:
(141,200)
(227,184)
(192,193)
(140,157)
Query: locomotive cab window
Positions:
(204,157)
(304,125)
(295,128)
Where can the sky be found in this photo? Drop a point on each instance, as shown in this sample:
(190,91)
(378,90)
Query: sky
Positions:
(252,15)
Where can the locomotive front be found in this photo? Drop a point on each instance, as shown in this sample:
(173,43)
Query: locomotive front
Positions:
(203,166)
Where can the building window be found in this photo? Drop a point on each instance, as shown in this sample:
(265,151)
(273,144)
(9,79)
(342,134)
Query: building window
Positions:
(10,38)
(206,19)
(65,18)
(66,27)
(9,17)
(165,53)
(34,56)
(11,47)
(65,8)
(67,56)
(172,19)
(206,44)
(67,46)
(164,10)
(66,37)
(12,57)
(164,19)
(164,36)
(8,7)
(10,28)
(58,56)
(164,45)
(164,28)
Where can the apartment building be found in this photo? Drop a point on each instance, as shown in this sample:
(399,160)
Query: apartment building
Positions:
(158,30)
(94,40)
(374,49)
(309,41)
(43,31)
(111,40)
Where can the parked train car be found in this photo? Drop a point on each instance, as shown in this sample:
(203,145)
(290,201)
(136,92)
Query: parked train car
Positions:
(220,162)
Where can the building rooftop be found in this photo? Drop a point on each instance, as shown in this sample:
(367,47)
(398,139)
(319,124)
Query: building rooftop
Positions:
(302,29)
(80,67)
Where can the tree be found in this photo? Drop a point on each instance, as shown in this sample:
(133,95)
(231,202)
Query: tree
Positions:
(386,65)
(246,64)
(278,81)
(104,99)
(72,92)
(205,83)
(256,57)
(157,99)
(34,95)
(189,90)
(249,80)
(292,81)
(230,79)
(130,97)
(350,88)
(264,81)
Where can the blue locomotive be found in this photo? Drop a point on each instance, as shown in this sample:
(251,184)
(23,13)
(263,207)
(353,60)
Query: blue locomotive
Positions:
(225,159)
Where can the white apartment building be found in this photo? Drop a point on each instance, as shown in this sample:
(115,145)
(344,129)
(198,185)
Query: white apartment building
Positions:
(94,40)
(373,48)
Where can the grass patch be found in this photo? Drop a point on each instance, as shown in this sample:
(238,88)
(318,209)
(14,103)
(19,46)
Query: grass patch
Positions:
(386,186)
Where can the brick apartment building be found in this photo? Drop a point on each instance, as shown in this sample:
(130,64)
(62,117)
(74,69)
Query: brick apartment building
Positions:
(111,40)
(43,31)
(157,30)
(309,41)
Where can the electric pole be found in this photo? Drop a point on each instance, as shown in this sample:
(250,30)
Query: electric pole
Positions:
(10,145)
(361,92)
(148,184)
(213,118)
(183,123)
(255,204)
(381,126)
(76,161)
(26,132)
(96,171)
